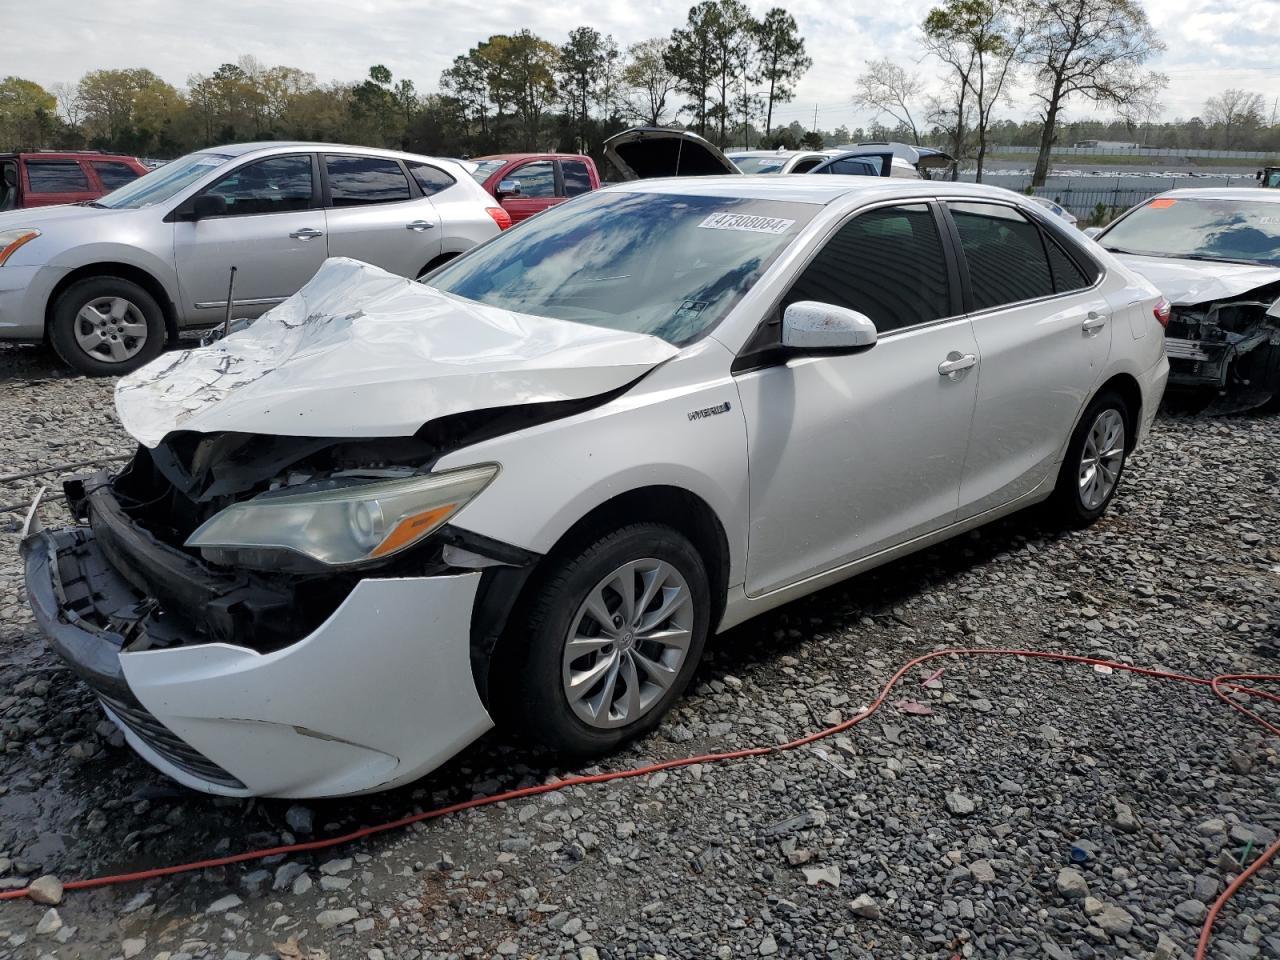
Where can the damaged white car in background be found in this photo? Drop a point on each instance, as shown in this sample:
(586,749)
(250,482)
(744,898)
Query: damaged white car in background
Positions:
(1215,254)
(527,489)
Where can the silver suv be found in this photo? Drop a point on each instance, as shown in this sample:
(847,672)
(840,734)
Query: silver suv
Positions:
(107,283)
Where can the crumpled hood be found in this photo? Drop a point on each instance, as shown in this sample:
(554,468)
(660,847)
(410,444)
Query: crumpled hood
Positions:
(359,352)
(1187,282)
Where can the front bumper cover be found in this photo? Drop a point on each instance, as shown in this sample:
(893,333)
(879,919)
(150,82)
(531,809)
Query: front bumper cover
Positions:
(379,694)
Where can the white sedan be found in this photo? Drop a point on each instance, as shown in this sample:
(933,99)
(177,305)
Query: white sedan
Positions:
(527,489)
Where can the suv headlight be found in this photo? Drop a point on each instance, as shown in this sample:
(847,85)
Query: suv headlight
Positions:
(343,526)
(11,240)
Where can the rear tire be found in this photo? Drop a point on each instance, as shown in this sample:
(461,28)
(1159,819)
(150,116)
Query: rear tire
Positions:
(106,326)
(1094,462)
(620,677)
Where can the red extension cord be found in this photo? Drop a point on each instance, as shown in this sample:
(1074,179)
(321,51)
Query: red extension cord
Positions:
(1222,686)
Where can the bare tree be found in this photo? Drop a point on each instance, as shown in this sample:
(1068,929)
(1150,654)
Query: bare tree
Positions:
(1232,110)
(69,105)
(888,88)
(980,40)
(1094,50)
(652,83)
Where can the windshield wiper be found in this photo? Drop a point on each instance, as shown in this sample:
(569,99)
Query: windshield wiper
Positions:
(1201,256)
(93,203)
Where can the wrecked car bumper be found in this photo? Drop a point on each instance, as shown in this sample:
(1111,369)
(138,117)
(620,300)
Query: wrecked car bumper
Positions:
(377,695)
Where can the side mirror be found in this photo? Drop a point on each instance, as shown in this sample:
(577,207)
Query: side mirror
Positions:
(208,205)
(808,325)
(508,188)
(1092,232)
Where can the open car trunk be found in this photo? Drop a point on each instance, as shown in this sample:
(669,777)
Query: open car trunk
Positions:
(642,153)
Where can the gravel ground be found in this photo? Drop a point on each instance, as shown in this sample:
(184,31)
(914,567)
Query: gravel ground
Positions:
(946,834)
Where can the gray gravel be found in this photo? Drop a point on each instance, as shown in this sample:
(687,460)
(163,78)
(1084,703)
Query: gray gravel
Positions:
(916,835)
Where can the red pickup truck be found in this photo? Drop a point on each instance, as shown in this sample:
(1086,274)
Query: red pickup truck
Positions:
(42,179)
(528,183)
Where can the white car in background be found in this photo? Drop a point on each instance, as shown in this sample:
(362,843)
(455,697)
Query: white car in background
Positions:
(1057,209)
(527,489)
(1215,254)
(778,161)
(110,282)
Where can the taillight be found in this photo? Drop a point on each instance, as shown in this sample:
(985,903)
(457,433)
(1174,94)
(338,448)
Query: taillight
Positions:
(1162,312)
(500,217)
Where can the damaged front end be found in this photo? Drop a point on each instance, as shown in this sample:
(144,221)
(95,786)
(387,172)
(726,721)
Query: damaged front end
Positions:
(1231,346)
(193,658)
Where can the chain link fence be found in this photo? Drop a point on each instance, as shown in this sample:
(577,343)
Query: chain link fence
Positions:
(1097,206)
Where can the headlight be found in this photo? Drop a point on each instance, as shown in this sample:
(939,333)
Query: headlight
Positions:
(11,240)
(343,526)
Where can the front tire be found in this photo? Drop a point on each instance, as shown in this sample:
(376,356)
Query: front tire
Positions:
(611,638)
(106,326)
(1094,462)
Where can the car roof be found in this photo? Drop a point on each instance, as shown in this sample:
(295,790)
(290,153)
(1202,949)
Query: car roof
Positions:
(65,155)
(526,156)
(1224,193)
(284,146)
(807,188)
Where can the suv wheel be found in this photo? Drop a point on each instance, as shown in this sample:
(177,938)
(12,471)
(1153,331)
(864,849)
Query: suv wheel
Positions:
(613,635)
(106,326)
(1094,462)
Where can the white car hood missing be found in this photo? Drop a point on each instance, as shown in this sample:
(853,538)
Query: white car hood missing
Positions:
(1188,282)
(359,352)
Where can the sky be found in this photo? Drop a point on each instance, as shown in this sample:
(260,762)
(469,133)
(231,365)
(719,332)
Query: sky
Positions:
(1212,44)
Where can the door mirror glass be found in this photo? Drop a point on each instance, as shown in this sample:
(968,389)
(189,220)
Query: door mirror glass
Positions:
(208,205)
(508,188)
(1092,232)
(809,325)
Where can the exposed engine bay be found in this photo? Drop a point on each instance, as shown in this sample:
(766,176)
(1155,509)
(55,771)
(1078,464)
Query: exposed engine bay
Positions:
(1231,346)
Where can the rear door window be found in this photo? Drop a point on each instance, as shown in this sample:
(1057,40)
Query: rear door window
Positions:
(853,167)
(1067,275)
(577,178)
(57,176)
(1005,254)
(354,181)
(114,174)
(887,263)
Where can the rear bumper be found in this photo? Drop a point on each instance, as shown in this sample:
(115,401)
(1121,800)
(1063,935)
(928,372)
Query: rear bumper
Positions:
(1152,384)
(379,694)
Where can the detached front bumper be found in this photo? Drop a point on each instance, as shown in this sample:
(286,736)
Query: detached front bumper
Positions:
(379,694)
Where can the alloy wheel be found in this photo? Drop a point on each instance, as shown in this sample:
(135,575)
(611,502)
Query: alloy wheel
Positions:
(111,329)
(627,643)
(1101,458)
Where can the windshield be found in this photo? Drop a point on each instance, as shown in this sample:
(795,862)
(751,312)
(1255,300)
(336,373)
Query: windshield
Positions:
(662,264)
(759,164)
(162,184)
(1245,231)
(485,168)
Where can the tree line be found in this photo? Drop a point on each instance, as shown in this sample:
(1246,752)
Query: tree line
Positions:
(722,73)
(1062,53)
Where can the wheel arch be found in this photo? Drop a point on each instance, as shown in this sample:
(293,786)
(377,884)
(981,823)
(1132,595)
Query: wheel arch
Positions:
(124,271)
(508,589)
(438,261)
(1126,385)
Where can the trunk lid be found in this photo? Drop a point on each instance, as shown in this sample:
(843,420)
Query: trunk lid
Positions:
(642,153)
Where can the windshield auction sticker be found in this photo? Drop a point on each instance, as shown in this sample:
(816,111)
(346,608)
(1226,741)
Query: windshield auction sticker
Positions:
(723,220)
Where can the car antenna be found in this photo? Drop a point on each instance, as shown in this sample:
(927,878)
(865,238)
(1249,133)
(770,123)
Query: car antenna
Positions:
(231,289)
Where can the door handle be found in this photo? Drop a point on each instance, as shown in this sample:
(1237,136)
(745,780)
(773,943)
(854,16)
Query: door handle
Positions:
(306,233)
(955,364)
(1093,323)
(417,226)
